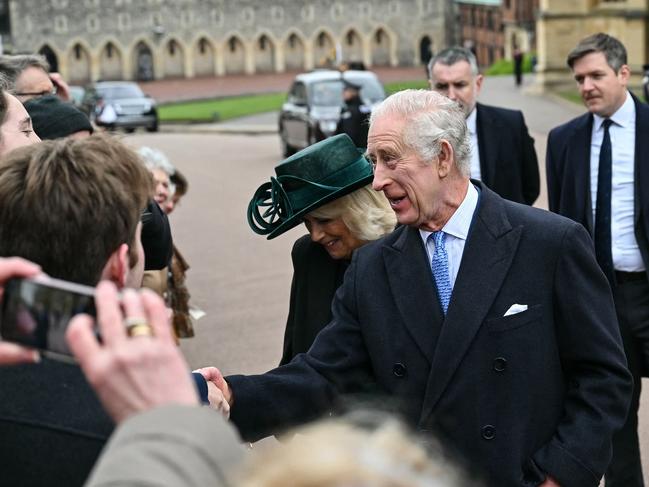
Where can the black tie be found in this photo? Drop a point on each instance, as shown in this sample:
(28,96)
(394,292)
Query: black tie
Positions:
(603,206)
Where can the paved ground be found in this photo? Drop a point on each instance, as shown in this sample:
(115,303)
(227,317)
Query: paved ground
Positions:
(239,278)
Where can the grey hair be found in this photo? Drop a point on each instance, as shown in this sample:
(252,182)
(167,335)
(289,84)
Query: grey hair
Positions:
(452,55)
(365,212)
(613,50)
(155,159)
(431,117)
(12,66)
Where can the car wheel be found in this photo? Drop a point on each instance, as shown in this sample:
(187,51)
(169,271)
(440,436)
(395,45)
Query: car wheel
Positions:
(287,150)
(129,130)
(154,127)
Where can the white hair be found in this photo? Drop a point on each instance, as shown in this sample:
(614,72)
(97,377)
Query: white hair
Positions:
(155,159)
(430,117)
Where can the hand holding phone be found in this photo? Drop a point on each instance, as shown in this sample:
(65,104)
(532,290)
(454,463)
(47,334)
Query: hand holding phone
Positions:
(36,311)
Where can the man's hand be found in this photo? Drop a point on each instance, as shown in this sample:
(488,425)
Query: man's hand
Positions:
(131,374)
(213,376)
(62,88)
(10,353)
(217,400)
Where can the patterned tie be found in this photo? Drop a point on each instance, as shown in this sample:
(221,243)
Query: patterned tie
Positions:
(603,206)
(439,265)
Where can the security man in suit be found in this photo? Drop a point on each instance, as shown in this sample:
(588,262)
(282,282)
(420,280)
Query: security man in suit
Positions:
(502,151)
(598,175)
(465,317)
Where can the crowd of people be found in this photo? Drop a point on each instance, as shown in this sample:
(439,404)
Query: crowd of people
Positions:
(509,341)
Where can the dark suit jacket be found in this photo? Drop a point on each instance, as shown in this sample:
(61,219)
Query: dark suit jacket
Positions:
(508,162)
(316,276)
(538,391)
(51,424)
(568,173)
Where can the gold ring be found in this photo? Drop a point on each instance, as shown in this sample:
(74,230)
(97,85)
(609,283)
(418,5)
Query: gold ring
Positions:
(138,327)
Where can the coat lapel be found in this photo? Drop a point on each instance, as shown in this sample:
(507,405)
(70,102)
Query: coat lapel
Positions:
(489,137)
(488,254)
(413,289)
(577,168)
(641,180)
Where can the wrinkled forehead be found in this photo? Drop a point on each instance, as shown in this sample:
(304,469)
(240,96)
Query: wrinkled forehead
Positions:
(33,79)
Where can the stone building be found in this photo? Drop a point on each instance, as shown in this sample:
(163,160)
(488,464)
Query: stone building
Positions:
(519,25)
(155,39)
(562,23)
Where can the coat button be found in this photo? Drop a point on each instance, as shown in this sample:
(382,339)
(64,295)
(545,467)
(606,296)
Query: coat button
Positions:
(399,369)
(500,364)
(488,432)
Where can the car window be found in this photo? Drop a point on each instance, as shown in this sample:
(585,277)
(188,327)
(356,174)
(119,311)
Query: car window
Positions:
(297,94)
(327,93)
(121,91)
(371,91)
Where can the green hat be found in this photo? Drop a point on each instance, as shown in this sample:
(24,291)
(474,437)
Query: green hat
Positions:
(305,181)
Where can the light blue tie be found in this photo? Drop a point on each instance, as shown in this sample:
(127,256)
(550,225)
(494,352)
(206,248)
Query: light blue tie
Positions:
(439,265)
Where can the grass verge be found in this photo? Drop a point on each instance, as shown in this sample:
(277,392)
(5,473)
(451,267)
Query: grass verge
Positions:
(221,109)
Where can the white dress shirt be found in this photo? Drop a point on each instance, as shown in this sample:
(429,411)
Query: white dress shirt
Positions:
(456,230)
(471,124)
(624,247)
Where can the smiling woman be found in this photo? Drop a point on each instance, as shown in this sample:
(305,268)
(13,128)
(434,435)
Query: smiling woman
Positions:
(328,187)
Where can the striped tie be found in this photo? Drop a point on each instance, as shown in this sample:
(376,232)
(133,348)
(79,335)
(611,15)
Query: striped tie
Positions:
(439,265)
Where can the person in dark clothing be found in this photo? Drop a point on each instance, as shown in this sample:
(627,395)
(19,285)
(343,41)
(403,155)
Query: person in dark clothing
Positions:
(518,66)
(355,115)
(340,217)
(94,189)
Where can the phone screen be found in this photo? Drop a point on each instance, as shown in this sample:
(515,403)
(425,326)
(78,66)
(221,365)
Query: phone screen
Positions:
(36,312)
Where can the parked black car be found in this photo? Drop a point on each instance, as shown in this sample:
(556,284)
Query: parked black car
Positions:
(312,109)
(120,104)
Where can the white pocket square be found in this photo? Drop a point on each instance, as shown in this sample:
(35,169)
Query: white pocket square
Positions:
(515,309)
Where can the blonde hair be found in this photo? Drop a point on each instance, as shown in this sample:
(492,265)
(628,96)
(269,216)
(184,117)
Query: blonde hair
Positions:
(365,212)
(336,453)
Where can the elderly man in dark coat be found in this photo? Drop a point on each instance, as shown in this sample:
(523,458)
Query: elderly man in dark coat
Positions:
(489,323)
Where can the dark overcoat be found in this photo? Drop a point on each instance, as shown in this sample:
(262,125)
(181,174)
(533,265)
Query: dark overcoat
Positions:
(508,163)
(539,391)
(316,276)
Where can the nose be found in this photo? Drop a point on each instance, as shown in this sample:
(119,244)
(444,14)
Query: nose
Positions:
(380,179)
(315,231)
(450,93)
(587,85)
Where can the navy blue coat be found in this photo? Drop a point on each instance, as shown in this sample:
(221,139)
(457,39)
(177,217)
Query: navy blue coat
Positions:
(538,391)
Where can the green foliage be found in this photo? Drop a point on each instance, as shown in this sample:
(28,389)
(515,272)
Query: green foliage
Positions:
(506,66)
(405,85)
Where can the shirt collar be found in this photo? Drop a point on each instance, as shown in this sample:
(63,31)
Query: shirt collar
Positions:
(624,115)
(460,222)
(471,121)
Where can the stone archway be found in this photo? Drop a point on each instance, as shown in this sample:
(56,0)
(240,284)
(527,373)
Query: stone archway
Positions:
(110,63)
(234,56)
(381,47)
(425,50)
(173,59)
(352,46)
(143,65)
(204,57)
(324,50)
(294,53)
(78,64)
(50,55)
(264,55)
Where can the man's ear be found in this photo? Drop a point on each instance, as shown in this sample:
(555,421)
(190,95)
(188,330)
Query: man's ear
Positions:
(478,84)
(624,74)
(116,268)
(445,159)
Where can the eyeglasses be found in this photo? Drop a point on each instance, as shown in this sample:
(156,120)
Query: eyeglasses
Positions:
(53,91)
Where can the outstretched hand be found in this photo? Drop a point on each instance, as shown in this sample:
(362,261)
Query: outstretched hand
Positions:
(135,373)
(214,377)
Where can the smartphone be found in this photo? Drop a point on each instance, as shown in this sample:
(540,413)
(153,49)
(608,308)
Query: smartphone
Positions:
(36,312)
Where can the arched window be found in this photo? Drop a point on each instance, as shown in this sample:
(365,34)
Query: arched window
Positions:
(322,39)
(232,43)
(77,51)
